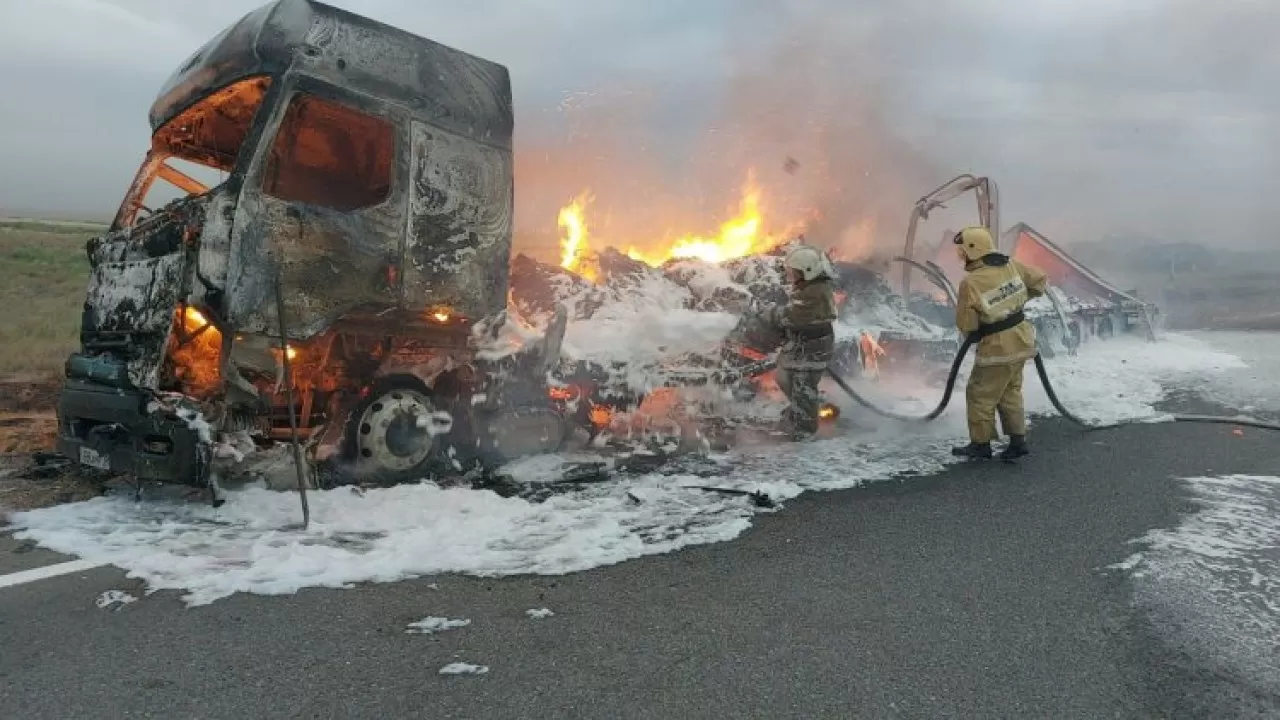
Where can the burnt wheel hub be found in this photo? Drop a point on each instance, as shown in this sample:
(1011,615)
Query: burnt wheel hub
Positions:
(393,430)
(403,436)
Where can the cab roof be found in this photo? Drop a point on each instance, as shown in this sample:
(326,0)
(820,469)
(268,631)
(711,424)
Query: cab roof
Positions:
(448,88)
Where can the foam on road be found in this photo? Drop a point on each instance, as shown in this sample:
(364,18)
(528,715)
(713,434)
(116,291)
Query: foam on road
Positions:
(396,533)
(1211,585)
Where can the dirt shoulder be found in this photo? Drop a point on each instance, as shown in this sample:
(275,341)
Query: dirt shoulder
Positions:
(30,477)
(28,484)
(20,394)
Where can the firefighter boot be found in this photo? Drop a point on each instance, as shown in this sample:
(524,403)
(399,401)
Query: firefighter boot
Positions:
(973,451)
(1016,448)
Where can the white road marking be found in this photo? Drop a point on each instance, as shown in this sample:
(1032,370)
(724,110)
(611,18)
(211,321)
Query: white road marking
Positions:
(48,571)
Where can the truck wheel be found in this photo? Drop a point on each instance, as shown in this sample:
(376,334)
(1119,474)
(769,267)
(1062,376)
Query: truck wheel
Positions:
(391,437)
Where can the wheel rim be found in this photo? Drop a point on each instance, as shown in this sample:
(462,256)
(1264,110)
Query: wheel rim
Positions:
(389,435)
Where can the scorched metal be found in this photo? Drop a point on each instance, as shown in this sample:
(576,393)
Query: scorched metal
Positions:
(365,174)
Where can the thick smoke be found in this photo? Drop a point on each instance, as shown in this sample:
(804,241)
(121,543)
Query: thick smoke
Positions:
(822,96)
(1099,120)
(804,104)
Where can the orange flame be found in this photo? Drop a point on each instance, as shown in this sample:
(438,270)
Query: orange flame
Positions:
(601,416)
(870,347)
(195,319)
(871,354)
(196,360)
(561,392)
(574,251)
(740,236)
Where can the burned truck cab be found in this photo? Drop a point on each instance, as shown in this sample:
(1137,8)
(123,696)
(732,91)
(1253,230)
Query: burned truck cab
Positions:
(335,200)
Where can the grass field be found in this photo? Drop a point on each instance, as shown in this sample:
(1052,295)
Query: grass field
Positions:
(44,272)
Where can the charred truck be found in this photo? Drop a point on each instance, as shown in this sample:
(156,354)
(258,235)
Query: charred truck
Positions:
(337,285)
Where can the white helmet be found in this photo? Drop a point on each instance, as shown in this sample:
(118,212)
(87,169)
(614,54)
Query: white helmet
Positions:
(809,261)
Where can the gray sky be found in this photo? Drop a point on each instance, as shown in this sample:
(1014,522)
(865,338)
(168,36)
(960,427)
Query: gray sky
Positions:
(1097,117)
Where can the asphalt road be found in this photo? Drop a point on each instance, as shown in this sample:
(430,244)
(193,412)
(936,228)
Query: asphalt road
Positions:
(980,592)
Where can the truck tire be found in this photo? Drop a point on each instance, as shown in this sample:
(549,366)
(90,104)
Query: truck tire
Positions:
(389,437)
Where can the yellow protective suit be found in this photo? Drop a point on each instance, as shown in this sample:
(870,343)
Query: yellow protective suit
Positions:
(996,287)
(806,320)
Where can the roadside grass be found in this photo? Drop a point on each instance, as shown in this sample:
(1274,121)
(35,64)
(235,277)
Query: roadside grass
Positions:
(43,274)
(54,226)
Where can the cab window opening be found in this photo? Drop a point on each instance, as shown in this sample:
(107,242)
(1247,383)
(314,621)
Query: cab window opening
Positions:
(330,155)
(198,149)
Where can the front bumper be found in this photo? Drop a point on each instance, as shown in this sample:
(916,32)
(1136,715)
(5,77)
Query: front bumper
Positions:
(110,429)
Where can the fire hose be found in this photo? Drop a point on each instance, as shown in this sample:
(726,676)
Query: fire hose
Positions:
(1048,389)
(762,500)
(935,274)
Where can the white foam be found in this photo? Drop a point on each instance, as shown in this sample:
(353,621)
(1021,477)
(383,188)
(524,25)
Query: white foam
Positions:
(433,625)
(195,420)
(117,598)
(385,535)
(539,613)
(1252,389)
(461,668)
(1125,377)
(647,326)
(1213,582)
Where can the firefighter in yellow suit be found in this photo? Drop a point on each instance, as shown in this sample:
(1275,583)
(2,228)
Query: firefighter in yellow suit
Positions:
(806,323)
(990,303)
